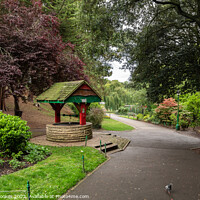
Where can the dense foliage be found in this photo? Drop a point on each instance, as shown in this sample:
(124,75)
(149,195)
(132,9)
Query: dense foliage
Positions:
(15,149)
(95,116)
(167,49)
(14,134)
(159,39)
(191,103)
(35,153)
(117,95)
(165,109)
(32,53)
(76,26)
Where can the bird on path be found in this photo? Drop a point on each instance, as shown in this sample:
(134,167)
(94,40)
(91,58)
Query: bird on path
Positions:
(168,188)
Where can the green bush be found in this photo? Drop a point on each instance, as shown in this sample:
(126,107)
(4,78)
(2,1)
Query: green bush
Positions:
(95,116)
(154,118)
(123,110)
(14,134)
(146,118)
(2,154)
(184,123)
(17,155)
(193,106)
(93,105)
(173,119)
(14,163)
(35,153)
(184,119)
(1,162)
(140,116)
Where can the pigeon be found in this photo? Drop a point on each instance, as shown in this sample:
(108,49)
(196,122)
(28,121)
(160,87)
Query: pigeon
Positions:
(168,188)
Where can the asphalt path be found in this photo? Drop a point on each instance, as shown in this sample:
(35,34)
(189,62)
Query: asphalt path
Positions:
(155,157)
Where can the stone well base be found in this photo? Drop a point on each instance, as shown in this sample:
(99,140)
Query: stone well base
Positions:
(68,133)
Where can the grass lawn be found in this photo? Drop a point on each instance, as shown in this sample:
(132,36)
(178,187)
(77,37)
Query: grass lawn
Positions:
(54,176)
(113,125)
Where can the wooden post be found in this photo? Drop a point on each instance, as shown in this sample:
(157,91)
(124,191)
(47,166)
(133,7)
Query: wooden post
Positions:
(83,114)
(57,113)
(80,109)
(57,107)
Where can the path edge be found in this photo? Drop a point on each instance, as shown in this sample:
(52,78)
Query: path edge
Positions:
(89,174)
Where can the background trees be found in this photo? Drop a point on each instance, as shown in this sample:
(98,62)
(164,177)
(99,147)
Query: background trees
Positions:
(167,51)
(33,54)
(85,31)
(118,95)
(160,41)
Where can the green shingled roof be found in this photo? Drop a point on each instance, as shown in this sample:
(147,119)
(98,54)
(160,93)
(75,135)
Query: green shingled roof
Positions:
(60,92)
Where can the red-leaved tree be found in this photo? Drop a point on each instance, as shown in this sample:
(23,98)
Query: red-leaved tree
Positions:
(32,53)
(166,108)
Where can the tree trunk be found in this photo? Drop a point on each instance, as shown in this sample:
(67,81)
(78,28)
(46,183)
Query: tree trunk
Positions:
(2,99)
(16,109)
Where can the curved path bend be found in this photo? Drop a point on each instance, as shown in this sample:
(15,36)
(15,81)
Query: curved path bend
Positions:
(155,157)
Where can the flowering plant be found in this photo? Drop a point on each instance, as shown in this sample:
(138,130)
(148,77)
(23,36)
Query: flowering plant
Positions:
(166,108)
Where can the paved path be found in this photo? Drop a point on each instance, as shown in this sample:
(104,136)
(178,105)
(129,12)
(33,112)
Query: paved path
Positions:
(155,157)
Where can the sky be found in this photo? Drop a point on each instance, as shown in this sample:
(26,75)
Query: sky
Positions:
(119,74)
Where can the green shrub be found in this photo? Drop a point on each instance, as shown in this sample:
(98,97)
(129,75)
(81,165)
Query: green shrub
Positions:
(17,155)
(173,119)
(122,110)
(154,118)
(95,116)
(1,162)
(2,154)
(14,163)
(14,134)
(140,116)
(34,157)
(184,123)
(184,119)
(193,106)
(93,105)
(146,118)
(36,153)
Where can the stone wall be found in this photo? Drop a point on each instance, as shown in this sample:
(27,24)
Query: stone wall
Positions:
(66,133)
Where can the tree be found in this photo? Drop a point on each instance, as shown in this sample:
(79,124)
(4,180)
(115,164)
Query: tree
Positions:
(160,40)
(117,94)
(33,50)
(165,109)
(167,54)
(8,70)
(68,15)
(75,27)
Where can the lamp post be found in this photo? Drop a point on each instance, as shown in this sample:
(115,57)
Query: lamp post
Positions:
(177,125)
